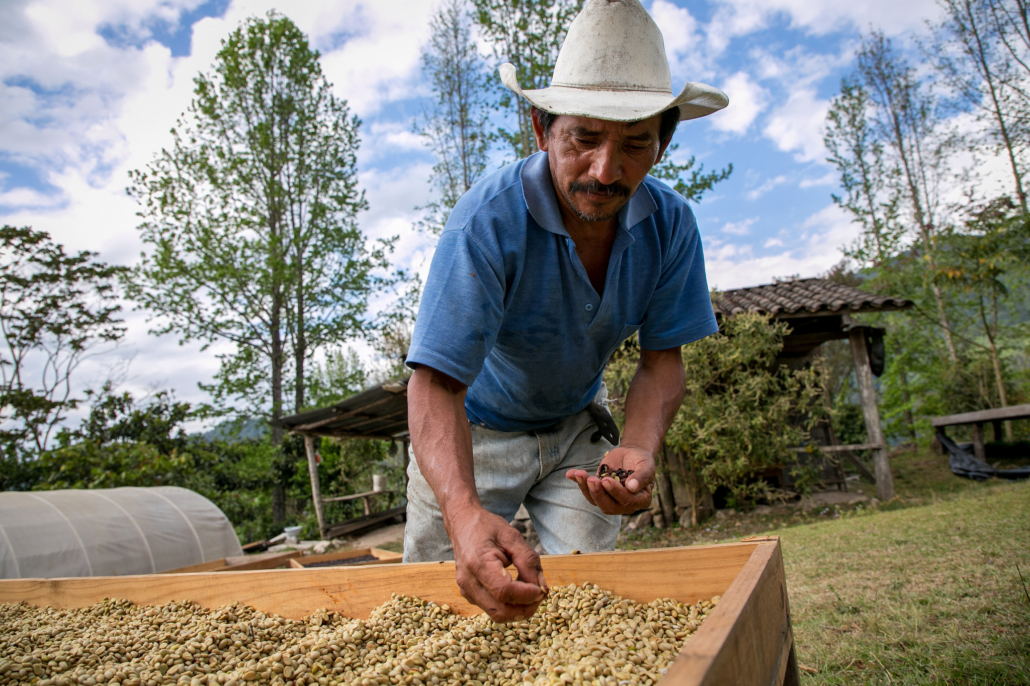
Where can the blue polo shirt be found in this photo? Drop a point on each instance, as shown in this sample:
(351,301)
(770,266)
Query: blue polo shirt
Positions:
(509,311)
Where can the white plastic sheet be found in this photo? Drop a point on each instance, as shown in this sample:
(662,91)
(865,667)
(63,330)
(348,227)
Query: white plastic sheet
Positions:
(109,532)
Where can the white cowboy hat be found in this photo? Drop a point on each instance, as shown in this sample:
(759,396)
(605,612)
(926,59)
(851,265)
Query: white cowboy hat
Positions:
(612,66)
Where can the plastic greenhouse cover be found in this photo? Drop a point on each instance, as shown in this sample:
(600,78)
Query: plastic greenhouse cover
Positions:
(109,532)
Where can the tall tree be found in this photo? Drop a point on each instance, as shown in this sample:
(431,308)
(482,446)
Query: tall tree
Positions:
(455,127)
(979,261)
(967,50)
(905,118)
(858,153)
(250,220)
(528,34)
(1011,19)
(55,310)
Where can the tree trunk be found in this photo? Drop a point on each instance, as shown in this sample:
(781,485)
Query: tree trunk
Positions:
(300,352)
(990,79)
(998,378)
(665,494)
(275,323)
(908,405)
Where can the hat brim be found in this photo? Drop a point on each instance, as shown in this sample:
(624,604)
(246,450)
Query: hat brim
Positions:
(694,101)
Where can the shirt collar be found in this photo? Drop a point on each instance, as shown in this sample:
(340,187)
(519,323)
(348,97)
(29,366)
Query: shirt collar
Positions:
(542,203)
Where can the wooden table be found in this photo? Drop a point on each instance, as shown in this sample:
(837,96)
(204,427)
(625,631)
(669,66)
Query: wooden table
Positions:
(364,499)
(978,419)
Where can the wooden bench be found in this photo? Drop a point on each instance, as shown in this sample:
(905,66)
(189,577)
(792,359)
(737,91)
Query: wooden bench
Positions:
(978,419)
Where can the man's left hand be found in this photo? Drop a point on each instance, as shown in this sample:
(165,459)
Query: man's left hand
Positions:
(610,496)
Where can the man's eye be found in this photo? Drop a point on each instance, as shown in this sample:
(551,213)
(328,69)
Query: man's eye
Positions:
(635,149)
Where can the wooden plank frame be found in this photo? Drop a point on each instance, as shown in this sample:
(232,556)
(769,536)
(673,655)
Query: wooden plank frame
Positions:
(383,557)
(746,641)
(245,563)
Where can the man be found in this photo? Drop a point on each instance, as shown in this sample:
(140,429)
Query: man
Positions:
(544,268)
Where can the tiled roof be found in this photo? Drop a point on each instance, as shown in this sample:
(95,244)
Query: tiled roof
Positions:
(804,297)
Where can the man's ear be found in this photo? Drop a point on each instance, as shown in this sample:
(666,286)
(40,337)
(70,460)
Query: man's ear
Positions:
(661,150)
(538,131)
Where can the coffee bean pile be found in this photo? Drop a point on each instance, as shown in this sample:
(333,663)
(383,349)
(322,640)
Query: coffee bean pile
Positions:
(580,635)
(620,474)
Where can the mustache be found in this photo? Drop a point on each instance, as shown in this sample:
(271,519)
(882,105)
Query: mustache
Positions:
(610,189)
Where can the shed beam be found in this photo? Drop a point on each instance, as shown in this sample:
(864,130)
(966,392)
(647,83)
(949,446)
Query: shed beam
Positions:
(316,488)
(874,432)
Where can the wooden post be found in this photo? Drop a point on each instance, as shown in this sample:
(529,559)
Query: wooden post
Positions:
(316,488)
(864,374)
(979,450)
(998,437)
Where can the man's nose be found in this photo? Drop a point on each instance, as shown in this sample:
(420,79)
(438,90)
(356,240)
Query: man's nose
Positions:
(606,165)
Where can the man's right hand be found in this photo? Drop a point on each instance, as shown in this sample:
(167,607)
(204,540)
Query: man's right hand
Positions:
(484,545)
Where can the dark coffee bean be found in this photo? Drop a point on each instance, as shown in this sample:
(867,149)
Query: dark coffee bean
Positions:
(620,474)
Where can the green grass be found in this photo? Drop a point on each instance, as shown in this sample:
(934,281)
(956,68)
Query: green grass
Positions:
(922,595)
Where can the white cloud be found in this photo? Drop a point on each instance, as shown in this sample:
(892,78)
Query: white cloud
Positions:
(741,17)
(797,126)
(829,179)
(756,193)
(816,248)
(684,44)
(741,228)
(83,112)
(27,197)
(747,100)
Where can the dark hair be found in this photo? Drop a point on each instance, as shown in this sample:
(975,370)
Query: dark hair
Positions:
(670,119)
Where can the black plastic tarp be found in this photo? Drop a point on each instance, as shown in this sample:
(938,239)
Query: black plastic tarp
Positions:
(963,462)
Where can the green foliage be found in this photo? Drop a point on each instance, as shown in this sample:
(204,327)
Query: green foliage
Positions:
(250,219)
(528,34)
(742,411)
(455,128)
(55,309)
(342,375)
(865,175)
(126,443)
(694,186)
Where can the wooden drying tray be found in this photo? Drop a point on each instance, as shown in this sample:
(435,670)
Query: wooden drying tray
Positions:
(747,640)
(383,557)
(240,563)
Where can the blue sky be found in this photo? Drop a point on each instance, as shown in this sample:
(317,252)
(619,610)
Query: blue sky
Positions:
(89,89)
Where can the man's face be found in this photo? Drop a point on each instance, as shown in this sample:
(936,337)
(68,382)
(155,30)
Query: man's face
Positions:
(597,165)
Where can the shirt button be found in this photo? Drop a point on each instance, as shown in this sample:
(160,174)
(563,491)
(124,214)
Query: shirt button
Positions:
(589,307)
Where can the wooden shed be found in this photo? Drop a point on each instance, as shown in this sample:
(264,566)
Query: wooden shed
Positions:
(820,310)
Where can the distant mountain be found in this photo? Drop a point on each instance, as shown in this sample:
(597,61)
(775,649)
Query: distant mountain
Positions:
(238,430)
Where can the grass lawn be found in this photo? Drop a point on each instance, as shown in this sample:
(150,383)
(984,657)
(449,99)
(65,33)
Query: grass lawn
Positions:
(922,595)
(921,590)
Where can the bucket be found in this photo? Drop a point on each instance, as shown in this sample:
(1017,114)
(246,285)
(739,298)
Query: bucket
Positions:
(378,483)
(292,533)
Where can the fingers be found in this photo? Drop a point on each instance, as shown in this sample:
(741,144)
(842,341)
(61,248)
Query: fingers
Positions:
(483,579)
(475,592)
(642,477)
(527,562)
(582,480)
(614,498)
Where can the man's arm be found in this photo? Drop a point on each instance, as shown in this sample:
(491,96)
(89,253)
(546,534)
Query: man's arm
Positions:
(484,544)
(654,397)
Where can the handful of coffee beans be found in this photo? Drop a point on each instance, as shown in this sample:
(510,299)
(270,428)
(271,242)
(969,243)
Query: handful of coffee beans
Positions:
(620,474)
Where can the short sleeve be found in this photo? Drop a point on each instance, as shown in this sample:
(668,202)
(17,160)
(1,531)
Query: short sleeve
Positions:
(680,310)
(461,309)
